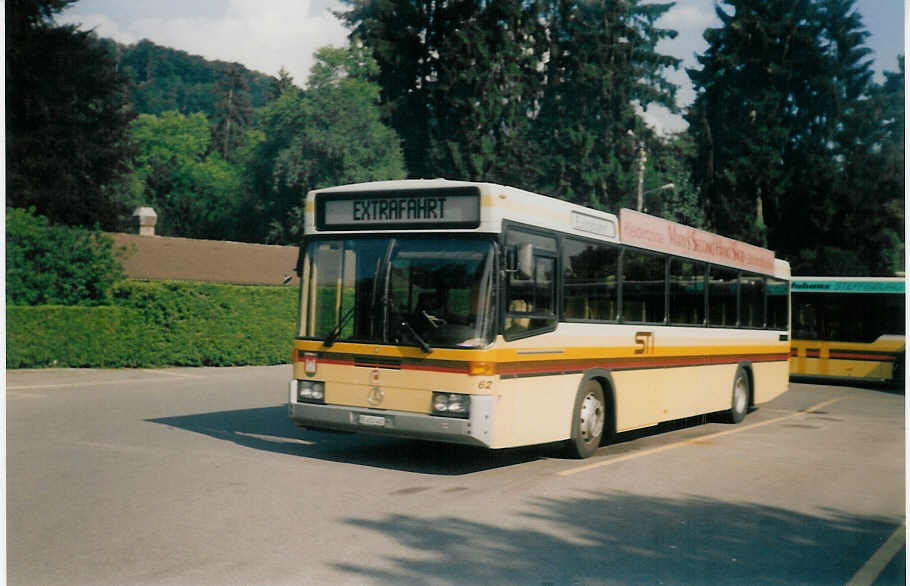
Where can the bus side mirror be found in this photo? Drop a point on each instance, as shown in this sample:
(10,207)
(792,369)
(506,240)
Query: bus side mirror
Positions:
(511,258)
(526,261)
(520,259)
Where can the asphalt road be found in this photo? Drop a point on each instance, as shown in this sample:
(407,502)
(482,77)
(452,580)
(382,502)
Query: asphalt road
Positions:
(196,476)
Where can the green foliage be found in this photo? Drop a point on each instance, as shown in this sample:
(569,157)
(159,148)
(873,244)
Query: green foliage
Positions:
(194,191)
(234,113)
(870,196)
(458,82)
(797,148)
(158,324)
(791,144)
(57,336)
(28,14)
(206,324)
(670,161)
(67,120)
(164,79)
(330,134)
(534,94)
(48,264)
(602,60)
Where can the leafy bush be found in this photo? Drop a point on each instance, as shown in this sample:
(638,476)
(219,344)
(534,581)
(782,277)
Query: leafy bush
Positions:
(57,265)
(158,324)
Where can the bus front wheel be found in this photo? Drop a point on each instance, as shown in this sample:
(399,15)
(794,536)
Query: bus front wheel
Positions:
(739,404)
(588,420)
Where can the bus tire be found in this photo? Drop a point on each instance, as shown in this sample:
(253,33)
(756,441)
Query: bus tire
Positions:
(588,420)
(739,402)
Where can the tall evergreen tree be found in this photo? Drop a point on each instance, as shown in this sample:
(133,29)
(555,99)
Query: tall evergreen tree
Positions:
(758,63)
(234,113)
(788,132)
(536,93)
(280,84)
(67,122)
(870,195)
(602,60)
(441,91)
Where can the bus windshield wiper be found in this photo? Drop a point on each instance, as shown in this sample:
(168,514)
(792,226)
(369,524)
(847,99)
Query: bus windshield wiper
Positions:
(420,341)
(330,339)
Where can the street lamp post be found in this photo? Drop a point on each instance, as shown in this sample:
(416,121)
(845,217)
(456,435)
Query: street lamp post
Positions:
(642,159)
(641,193)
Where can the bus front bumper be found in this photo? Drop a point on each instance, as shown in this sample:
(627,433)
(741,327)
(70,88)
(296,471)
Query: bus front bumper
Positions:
(476,431)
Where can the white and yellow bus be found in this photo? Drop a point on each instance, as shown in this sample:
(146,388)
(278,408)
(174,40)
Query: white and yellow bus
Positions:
(849,328)
(481,314)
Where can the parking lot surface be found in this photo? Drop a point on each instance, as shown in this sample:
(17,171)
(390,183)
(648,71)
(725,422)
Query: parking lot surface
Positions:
(196,476)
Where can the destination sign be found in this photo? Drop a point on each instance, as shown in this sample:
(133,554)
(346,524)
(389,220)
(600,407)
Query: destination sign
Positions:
(850,286)
(593,224)
(438,208)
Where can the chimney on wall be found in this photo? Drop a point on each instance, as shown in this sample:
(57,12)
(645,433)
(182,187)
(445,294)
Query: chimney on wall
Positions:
(146,219)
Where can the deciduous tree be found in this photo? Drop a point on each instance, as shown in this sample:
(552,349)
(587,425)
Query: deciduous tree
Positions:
(329,134)
(195,192)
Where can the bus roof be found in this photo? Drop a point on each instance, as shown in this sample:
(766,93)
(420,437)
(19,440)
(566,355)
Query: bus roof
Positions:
(849,284)
(411,207)
(435,205)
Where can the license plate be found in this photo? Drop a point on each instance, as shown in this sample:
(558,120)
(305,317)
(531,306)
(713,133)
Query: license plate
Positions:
(373,420)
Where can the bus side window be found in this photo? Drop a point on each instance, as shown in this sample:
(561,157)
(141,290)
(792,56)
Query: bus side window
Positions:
(778,318)
(531,299)
(722,297)
(643,287)
(752,301)
(687,292)
(590,290)
(806,320)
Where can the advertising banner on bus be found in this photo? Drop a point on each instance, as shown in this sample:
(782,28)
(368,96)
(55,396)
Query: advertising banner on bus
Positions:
(645,231)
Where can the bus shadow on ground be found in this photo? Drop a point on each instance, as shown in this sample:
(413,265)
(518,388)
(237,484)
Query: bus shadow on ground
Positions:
(613,537)
(269,429)
(890,387)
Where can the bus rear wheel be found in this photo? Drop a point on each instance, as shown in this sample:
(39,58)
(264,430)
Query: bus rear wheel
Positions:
(739,404)
(588,419)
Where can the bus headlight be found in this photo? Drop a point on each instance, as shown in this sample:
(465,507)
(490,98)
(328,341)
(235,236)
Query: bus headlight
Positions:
(310,391)
(451,405)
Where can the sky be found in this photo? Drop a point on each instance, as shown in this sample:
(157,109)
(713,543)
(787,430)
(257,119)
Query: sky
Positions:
(266,35)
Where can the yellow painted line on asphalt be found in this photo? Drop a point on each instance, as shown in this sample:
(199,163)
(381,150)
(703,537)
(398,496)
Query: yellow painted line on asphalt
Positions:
(873,568)
(693,441)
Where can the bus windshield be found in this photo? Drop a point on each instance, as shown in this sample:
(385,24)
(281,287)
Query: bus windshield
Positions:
(410,291)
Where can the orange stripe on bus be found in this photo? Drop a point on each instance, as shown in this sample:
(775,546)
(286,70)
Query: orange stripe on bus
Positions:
(578,364)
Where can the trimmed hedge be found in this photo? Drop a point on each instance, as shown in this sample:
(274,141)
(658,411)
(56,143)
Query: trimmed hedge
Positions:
(158,324)
(55,335)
